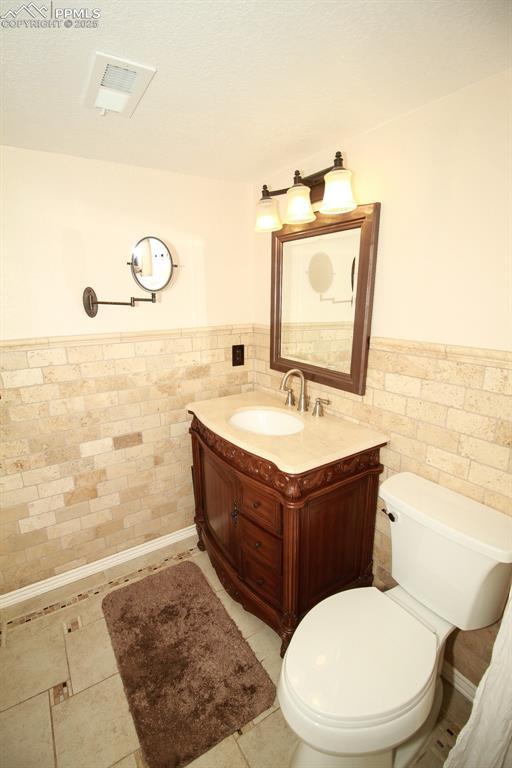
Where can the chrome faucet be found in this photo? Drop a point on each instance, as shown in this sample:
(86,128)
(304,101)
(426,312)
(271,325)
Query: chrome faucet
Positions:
(302,405)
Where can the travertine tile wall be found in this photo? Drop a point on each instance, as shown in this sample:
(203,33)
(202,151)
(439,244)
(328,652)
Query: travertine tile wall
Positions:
(95,452)
(448,413)
(329,344)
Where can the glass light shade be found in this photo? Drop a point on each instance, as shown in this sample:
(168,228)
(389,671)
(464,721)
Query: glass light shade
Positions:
(267,215)
(299,210)
(338,197)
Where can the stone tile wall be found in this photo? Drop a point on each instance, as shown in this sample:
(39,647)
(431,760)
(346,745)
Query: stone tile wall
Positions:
(95,453)
(329,344)
(96,457)
(448,413)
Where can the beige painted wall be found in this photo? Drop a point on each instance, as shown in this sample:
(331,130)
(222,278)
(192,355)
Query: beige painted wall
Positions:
(69,222)
(442,174)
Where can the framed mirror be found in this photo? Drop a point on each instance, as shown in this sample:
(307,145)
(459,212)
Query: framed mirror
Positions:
(152,264)
(322,293)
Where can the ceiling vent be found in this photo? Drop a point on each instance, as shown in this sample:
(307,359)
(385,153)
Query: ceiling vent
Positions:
(116,85)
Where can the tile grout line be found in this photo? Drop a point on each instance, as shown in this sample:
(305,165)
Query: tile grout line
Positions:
(246,761)
(52,727)
(23,701)
(123,758)
(98,682)
(68,666)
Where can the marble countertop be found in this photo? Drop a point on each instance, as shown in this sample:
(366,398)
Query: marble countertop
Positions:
(322,440)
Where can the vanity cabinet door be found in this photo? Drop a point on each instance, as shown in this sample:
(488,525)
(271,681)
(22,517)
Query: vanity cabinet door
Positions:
(336,541)
(220,506)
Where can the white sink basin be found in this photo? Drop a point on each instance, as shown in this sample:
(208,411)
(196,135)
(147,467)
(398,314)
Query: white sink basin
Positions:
(266,421)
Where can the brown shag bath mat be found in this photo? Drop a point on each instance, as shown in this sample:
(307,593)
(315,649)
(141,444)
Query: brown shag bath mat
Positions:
(189,676)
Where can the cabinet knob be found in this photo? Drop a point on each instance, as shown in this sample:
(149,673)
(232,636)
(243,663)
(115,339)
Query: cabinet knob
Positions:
(257,544)
(256,504)
(234,513)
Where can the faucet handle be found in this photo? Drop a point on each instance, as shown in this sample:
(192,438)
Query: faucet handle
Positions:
(318,407)
(290,398)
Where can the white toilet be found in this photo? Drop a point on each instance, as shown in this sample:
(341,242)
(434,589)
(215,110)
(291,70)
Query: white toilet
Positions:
(360,683)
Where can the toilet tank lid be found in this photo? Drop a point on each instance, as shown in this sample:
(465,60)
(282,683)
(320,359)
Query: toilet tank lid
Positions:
(457,517)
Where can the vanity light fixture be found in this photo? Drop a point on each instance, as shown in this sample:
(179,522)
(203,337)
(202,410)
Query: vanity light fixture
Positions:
(338,198)
(298,208)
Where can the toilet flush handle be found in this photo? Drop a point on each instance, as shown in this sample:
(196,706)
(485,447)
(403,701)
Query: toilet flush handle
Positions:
(391,516)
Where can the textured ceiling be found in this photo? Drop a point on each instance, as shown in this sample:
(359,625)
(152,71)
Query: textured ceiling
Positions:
(243,83)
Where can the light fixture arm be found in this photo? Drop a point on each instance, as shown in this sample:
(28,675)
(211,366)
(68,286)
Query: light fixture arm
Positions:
(310,181)
(335,182)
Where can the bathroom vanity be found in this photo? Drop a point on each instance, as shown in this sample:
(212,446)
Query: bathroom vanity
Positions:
(286,519)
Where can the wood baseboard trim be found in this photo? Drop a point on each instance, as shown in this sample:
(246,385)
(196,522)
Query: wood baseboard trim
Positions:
(46,585)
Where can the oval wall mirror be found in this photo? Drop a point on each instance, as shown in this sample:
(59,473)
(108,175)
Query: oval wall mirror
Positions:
(320,272)
(152,264)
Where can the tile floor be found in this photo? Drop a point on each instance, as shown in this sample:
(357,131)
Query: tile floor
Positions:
(62,703)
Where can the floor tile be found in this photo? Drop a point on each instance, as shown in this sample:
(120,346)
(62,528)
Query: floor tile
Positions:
(26,735)
(269,744)
(247,623)
(273,663)
(90,655)
(223,755)
(134,760)
(455,706)
(94,728)
(265,642)
(443,738)
(202,560)
(266,712)
(34,663)
(127,762)
(428,760)
(88,610)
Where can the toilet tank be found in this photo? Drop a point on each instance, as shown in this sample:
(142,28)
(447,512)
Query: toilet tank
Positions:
(452,554)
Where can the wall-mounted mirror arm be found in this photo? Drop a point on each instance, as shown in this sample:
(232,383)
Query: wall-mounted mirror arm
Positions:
(152,268)
(91,302)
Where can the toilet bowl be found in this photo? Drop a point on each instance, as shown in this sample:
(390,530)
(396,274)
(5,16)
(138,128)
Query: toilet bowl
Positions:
(360,682)
(360,677)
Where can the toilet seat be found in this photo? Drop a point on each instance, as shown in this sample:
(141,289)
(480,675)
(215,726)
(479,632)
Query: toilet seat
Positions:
(359,673)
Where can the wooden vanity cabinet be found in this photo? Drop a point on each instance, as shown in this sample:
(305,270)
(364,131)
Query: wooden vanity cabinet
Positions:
(279,542)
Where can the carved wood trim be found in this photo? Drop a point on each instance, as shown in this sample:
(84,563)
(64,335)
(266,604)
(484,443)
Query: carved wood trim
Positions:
(292,487)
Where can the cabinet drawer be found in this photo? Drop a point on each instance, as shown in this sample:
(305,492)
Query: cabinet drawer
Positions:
(260,506)
(262,578)
(260,545)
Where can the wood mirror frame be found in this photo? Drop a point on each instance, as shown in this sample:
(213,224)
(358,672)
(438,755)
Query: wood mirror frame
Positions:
(365,217)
